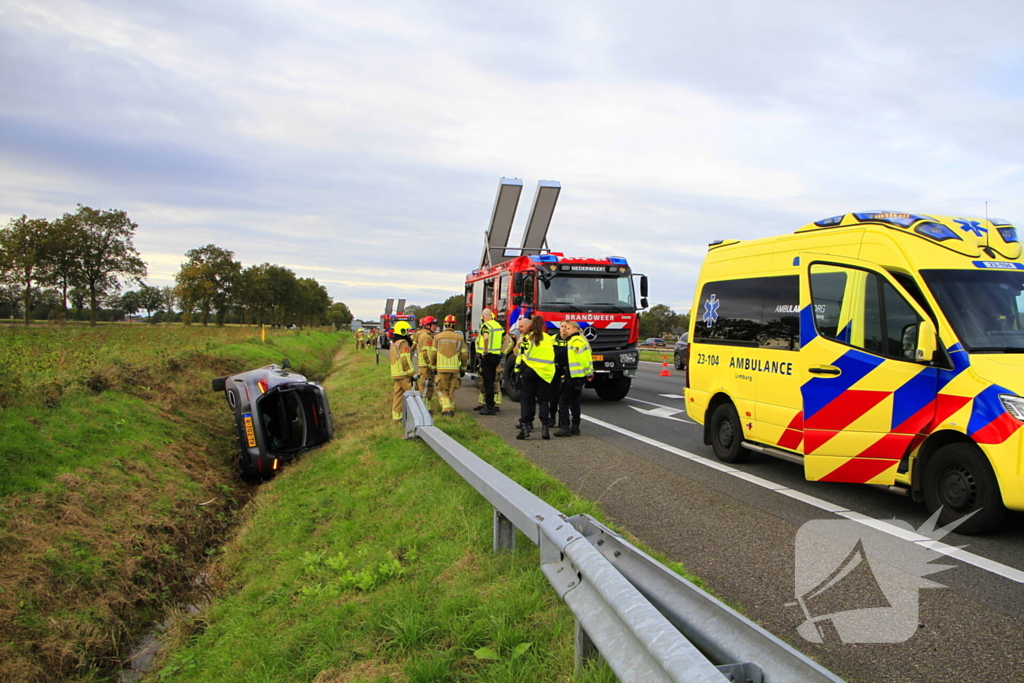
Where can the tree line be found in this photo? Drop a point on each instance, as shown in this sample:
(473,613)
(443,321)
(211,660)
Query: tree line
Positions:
(88,257)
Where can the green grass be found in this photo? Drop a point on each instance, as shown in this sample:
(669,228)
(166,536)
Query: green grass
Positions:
(658,356)
(370,560)
(116,482)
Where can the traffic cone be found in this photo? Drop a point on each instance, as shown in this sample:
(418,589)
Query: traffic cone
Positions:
(664,367)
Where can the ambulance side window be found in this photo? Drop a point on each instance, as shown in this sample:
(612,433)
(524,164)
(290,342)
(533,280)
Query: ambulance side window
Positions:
(862,309)
(780,317)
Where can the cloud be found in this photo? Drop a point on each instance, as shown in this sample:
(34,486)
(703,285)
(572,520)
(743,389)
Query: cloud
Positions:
(363,143)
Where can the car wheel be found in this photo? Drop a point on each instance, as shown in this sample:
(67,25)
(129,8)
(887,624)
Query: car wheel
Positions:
(218,384)
(727,435)
(959,480)
(679,361)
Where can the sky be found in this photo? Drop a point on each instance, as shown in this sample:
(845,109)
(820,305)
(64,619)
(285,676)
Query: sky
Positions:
(361,144)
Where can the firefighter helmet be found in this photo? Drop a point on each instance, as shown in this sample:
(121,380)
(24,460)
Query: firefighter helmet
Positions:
(427,320)
(449,322)
(401,327)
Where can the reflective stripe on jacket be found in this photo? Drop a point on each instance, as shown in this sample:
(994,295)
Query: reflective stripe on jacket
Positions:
(581,361)
(450,350)
(401,361)
(495,332)
(540,357)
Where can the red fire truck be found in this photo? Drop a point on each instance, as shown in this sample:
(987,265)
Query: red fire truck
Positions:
(596,292)
(388,320)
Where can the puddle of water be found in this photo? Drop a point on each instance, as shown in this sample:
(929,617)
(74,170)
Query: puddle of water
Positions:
(144,653)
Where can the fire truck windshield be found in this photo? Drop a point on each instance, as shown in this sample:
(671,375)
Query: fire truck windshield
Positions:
(588,292)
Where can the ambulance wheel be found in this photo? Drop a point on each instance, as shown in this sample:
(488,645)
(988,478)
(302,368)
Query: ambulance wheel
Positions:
(959,481)
(727,435)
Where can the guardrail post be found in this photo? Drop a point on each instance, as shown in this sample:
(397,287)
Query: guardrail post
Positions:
(586,651)
(415,413)
(504,533)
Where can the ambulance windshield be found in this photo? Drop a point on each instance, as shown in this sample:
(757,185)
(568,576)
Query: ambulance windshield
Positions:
(985,307)
(585,292)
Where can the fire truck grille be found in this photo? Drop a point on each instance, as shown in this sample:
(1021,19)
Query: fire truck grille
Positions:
(609,340)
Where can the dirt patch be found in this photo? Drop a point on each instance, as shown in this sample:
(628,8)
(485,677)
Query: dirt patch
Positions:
(358,672)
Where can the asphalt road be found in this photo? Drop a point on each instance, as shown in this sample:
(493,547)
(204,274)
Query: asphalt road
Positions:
(736,528)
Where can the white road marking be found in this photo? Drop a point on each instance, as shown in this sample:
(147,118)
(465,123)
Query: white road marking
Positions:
(978,561)
(666,413)
(679,396)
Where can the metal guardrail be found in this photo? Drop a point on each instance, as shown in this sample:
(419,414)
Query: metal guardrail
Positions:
(647,622)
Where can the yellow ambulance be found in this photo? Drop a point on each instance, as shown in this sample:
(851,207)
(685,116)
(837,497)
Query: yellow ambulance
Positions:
(882,348)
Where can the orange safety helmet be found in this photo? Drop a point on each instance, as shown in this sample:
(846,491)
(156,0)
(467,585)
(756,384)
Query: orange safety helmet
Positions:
(450,322)
(427,320)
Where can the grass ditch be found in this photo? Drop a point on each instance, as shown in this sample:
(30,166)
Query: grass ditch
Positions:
(370,560)
(116,482)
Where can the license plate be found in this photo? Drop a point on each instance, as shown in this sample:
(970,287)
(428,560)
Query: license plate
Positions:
(250,433)
(598,357)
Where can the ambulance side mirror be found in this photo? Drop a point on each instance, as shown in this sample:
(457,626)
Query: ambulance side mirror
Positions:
(926,345)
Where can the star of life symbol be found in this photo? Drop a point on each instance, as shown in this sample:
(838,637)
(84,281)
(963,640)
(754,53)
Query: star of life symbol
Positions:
(970,226)
(858,584)
(711,310)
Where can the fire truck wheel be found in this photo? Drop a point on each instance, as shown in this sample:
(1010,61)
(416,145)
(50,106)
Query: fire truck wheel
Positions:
(511,378)
(613,389)
(959,480)
(727,435)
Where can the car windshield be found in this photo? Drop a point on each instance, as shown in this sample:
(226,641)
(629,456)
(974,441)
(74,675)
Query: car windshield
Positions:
(588,291)
(983,306)
(292,419)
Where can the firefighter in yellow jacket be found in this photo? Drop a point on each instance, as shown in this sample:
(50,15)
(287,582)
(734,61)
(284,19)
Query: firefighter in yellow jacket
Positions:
(423,345)
(451,354)
(401,366)
(360,339)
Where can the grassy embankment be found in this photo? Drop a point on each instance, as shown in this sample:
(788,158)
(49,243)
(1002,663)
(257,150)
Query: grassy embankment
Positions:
(115,481)
(665,356)
(370,560)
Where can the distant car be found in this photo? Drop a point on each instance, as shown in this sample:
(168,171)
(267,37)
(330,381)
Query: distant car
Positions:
(680,351)
(278,415)
(654,341)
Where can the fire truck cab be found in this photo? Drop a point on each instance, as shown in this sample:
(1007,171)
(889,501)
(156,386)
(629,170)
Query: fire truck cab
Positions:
(596,292)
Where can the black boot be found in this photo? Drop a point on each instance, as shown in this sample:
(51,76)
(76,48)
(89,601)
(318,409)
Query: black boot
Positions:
(544,434)
(563,431)
(575,429)
(524,431)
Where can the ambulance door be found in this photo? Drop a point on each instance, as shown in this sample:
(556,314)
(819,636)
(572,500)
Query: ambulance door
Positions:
(865,394)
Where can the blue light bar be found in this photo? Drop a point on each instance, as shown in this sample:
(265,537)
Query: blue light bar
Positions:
(617,261)
(936,231)
(1009,235)
(543,258)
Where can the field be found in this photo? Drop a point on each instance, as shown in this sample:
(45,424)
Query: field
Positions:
(366,560)
(115,481)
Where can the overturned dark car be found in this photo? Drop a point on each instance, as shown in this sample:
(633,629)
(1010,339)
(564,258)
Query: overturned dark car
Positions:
(278,413)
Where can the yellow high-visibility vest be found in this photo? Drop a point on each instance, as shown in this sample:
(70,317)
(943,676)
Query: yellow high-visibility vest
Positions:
(494,340)
(540,357)
(581,360)
(401,361)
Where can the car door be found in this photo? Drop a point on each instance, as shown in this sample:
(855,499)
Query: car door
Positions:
(865,395)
